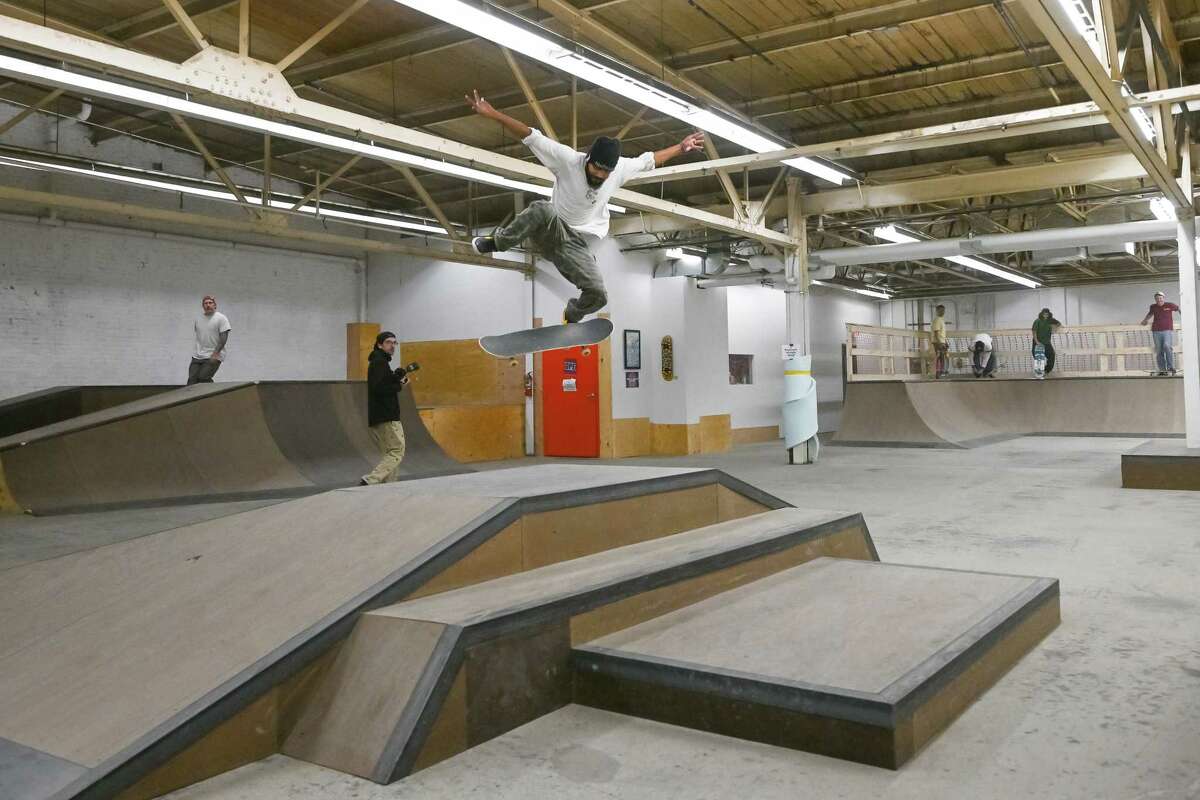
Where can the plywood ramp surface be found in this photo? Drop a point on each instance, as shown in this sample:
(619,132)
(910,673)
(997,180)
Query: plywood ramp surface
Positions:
(962,413)
(101,647)
(211,440)
(387,708)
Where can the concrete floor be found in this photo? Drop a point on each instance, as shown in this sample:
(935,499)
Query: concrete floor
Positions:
(1107,707)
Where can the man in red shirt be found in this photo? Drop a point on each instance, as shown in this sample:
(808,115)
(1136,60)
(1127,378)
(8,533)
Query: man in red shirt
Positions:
(1163,331)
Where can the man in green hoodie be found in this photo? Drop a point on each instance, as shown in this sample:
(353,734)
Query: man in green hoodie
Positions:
(1043,328)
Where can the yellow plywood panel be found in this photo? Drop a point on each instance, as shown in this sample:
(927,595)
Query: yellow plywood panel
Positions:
(669,440)
(715,433)
(632,437)
(360,341)
(731,505)
(498,556)
(766,433)
(457,372)
(8,504)
(554,536)
(477,433)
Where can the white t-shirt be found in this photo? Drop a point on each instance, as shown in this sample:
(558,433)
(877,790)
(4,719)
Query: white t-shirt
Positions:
(577,204)
(987,343)
(208,335)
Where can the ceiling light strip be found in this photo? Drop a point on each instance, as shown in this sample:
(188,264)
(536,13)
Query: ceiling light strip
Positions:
(519,35)
(90,85)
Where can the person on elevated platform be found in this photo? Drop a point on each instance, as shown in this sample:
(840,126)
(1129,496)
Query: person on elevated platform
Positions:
(1163,331)
(1043,330)
(983,358)
(939,343)
(211,330)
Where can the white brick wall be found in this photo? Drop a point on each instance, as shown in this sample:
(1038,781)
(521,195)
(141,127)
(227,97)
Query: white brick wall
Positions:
(85,304)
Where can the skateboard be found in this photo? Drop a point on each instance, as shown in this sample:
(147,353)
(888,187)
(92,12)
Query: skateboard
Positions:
(1039,361)
(551,337)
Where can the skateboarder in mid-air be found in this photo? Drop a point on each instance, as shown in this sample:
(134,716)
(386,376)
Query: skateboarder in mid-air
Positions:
(576,216)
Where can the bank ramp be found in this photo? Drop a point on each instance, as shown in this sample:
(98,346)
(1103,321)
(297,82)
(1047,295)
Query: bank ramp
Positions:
(223,441)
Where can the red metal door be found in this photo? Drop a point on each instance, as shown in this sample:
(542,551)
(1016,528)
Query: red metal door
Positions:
(571,402)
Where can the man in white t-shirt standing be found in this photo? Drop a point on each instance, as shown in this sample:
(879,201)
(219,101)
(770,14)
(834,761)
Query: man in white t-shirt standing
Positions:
(576,216)
(212,335)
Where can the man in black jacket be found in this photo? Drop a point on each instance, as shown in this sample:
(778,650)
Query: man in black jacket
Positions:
(383,408)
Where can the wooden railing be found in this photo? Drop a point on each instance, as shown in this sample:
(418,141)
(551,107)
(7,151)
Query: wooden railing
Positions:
(897,354)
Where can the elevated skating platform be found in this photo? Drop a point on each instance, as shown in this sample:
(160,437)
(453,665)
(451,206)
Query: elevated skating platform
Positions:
(223,441)
(158,661)
(1161,464)
(966,413)
(423,680)
(852,659)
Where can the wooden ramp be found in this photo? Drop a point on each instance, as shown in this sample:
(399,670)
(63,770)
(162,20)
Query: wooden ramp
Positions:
(149,664)
(208,441)
(60,403)
(421,681)
(969,413)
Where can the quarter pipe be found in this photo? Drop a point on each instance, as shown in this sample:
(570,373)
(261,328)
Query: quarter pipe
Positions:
(969,413)
(231,440)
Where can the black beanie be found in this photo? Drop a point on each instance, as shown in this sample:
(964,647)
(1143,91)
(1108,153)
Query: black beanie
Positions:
(383,337)
(605,152)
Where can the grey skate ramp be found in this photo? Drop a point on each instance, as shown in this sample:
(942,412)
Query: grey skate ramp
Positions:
(124,657)
(47,406)
(208,441)
(854,659)
(968,413)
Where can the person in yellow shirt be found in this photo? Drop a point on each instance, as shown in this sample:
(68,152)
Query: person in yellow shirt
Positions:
(938,343)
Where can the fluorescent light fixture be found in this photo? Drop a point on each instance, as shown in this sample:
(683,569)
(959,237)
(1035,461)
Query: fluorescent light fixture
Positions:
(89,85)
(487,22)
(1162,209)
(223,194)
(679,254)
(891,233)
(1131,248)
(868,292)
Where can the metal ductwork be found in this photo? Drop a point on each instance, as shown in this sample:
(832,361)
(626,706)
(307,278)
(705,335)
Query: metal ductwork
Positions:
(1047,239)
(819,272)
(744,279)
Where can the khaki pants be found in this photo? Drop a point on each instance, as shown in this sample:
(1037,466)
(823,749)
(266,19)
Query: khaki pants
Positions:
(389,438)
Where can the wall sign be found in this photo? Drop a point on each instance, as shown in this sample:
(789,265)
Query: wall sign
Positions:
(570,366)
(668,358)
(633,349)
(568,384)
(631,379)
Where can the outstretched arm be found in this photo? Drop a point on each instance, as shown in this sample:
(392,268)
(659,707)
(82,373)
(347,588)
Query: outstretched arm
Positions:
(484,109)
(692,142)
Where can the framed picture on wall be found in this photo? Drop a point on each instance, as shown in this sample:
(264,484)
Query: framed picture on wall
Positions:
(633,349)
